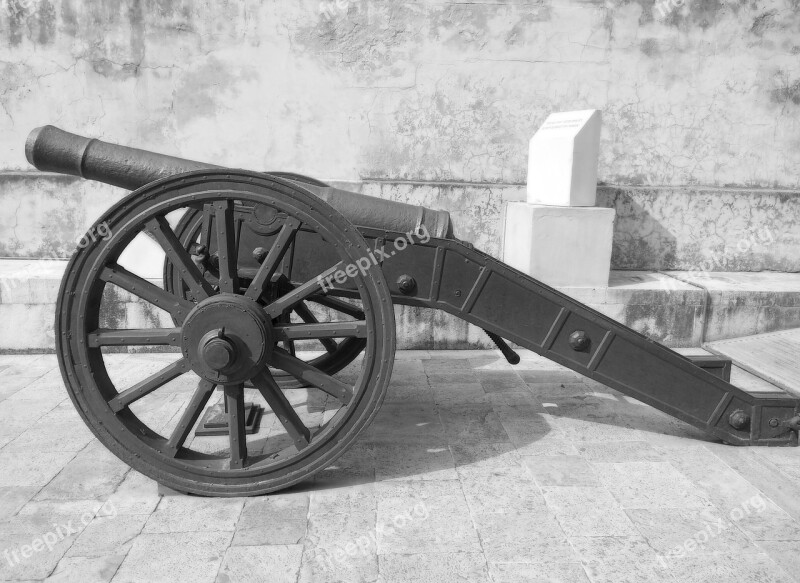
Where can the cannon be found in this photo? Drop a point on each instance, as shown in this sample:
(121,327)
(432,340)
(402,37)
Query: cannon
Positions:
(259,267)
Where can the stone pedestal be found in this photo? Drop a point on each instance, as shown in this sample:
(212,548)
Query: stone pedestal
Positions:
(560,246)
(562,159)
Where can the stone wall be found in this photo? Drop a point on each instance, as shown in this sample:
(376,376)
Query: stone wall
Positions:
(705,93)
(427,101)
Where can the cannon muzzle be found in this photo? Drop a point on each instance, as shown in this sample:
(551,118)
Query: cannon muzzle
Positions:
(53,150)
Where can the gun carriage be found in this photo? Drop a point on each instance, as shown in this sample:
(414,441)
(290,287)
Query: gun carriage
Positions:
(258,263)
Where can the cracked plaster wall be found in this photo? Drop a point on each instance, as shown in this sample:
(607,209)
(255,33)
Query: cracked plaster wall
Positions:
(705,94)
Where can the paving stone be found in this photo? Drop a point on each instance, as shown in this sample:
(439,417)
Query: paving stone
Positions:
(600,548)
(268,564)
(561,471)
(340,510)
(36,538)
(514,401)
(505,490)
(461,377)
(286,505)
(136,494)
(11,385)
(94,471)
(755,514)
(86,569)
(411,389)
(472,423)
(181,556)
(627,570)
(785,553)
(31,469)
(530,537)
(286,532)
(534,433)
(541,573)
(620,451)
(671,531)
(545,391)
(763,474)
(728,567)
(56,431)
(496,381)
(549,376)
(563,498)
(12,498)
(433,568)
(484,458)
(340,547)
(440,364)
(538,442)
(763,520)
(448,394)
(342,499)
(650,485)
(192,513)
(406,423)
(413,462)
(592,521)
(280,519)
(424,517)
(108,535)
(356,467)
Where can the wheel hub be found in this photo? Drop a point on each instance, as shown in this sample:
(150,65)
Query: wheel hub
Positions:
(227,338)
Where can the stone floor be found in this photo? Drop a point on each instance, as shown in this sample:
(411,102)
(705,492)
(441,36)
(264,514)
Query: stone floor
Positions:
(473,471)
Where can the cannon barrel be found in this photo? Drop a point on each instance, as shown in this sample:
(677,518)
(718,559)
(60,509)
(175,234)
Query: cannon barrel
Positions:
(53,150)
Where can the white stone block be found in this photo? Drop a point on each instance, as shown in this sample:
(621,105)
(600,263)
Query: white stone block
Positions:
(560,246)
(562,159)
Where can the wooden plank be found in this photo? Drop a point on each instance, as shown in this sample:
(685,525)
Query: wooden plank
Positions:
(774,357)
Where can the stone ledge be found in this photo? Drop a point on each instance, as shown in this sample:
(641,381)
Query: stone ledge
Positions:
(743,304)
(671,308)
(656,228)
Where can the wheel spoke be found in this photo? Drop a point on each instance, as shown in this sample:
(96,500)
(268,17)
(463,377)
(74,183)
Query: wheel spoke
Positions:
(132,283)
(234,400)
(226,246)
(324,330)
(181,260)
(301,292)
(190,416)
(135,337)
(283,410)
(305,314)
(274,256)
(312,375)
(205,229)
(338,305)
(148,385)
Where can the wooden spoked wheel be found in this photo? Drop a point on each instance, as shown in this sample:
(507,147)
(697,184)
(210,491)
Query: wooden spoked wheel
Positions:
(196,231)
(228,333)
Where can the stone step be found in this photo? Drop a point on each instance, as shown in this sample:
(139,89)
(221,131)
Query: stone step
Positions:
(771,356)
(679,309)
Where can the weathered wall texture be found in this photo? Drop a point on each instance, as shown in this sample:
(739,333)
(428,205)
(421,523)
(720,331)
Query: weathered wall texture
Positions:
(707,94)
(431,92)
